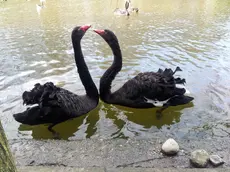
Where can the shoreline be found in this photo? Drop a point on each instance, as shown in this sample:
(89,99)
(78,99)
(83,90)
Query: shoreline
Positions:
(113,153)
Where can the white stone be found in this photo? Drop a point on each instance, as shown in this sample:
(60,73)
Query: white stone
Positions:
(170,147)
(199,158)
(216,160)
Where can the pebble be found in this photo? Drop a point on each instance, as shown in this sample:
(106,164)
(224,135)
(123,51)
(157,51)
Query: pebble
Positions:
(216,160)
(170,147)
(199,158)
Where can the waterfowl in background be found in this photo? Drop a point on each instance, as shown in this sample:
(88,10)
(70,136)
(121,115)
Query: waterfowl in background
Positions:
(40,6)
(127,9)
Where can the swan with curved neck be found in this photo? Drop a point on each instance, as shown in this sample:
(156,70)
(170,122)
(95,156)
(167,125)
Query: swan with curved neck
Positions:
(146,90)
(55,104)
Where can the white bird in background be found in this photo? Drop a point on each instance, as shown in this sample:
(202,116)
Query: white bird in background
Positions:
(39,7)
(43,2)
(127,2)
(119,11)
(127,9)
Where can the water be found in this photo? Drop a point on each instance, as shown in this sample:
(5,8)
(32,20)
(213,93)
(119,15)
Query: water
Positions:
(195,35)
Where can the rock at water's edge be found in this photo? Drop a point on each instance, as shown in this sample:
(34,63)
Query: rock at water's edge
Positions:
(216,160)
(199,158)
(170,147)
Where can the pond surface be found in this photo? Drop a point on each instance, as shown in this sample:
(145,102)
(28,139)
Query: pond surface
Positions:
(36,47)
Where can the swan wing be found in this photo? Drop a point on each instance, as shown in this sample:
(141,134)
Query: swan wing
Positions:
(158,86)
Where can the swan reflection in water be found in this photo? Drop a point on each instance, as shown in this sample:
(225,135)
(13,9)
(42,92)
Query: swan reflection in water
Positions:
(108,121)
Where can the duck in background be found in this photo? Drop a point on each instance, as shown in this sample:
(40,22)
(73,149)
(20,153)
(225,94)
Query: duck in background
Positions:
(127,9)
(40,6)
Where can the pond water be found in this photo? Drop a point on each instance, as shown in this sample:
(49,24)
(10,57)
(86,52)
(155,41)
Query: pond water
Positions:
(36,47)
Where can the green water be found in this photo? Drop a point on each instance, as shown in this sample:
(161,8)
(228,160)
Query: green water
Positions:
(195,35)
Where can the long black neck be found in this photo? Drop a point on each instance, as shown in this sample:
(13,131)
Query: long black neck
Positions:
(111,72)
(86,79)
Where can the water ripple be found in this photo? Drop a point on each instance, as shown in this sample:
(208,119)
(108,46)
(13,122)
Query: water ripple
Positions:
(37,48)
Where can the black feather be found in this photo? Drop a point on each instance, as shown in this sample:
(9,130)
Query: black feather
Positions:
(160,85)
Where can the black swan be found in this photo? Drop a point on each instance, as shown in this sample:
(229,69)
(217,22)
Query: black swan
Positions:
(145,90)
(55,104)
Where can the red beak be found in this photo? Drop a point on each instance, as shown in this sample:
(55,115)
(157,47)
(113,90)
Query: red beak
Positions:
(85,27)
(100,32)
